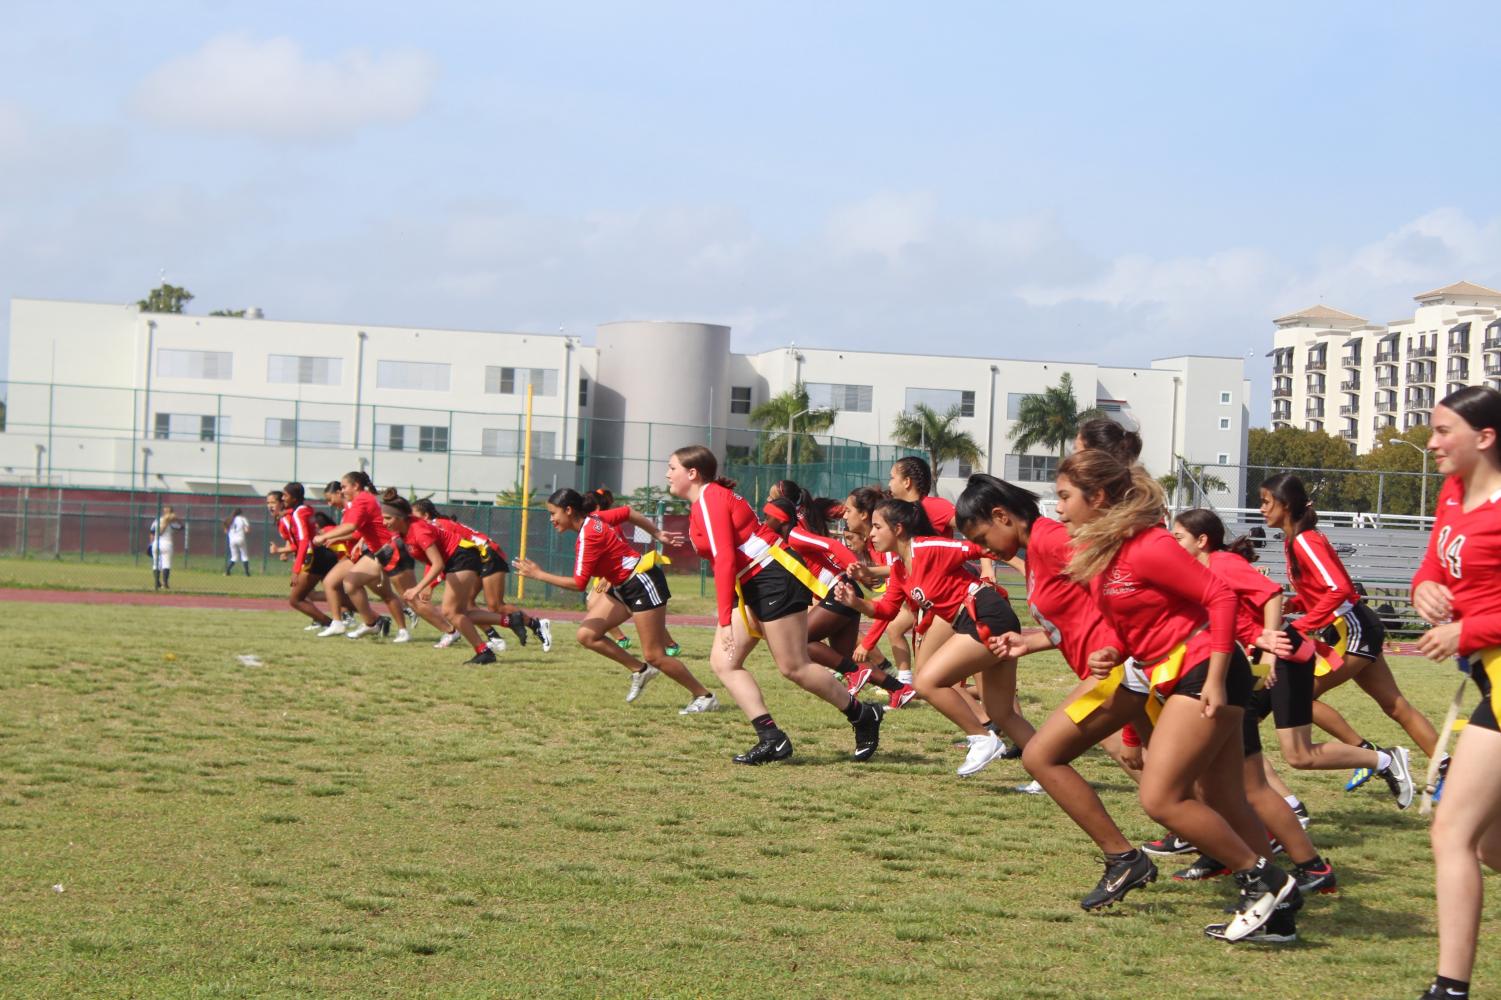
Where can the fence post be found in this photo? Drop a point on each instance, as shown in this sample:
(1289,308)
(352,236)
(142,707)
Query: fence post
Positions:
(51,392)
(448,482)
(296,434)
(57,526)
(1380,495)
(83,526)
(24,497)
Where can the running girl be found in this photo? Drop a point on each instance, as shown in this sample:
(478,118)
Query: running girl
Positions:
(362,520)
(310,563)
(602,502)
(1458,590)
(638,591)
(773,604)
(1178,621)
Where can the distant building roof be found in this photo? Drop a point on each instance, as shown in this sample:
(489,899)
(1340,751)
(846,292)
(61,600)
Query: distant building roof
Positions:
(1460,289)
(1322,312)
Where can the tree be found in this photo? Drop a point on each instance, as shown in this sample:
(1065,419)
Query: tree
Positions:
(937,434)
(1199,479)
(233,313)
(1321,460)
(165,299)
(646,498)
(791,408)
(1393,481)
(514,497)
(1051,418)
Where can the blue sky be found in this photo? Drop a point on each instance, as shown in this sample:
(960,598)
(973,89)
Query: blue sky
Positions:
(1099,182)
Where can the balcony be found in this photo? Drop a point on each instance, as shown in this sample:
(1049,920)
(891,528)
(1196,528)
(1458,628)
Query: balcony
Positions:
(1282,389)
(1350,384)
(1459,368)
(1387,381)
(1378,423)
(1459,346)
(1315,412)
(1492,342)
(1493,366)
(1420,375)
(1282,368)
(1390,357)
(1349,410)
(1314,365)
(1386,406)
(1423,352)
(1350,361)
(1348,432)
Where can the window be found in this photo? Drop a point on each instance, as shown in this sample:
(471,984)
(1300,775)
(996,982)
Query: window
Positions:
(1224,423)
(513,381)
(1032,468)
(194,364)
(1223,458)
(425,376)
(964,470)
(834,396)
(737,453)
(1014,404)
(404,437)
(740,399)
(1224,399)
(286,433)
(941,401)
(507,441)
(301,370)
(583,396)
(188,427)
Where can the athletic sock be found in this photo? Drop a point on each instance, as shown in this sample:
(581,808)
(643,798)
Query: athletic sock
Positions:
(1293,802)
(889,683)
(1367,745)
(854,709)
(764,725)
(847,666)
(480,647)
(1446,987)
(994,730)
(905,676)
(1383,761)
(1124,855)
(490,631)
(1317,862)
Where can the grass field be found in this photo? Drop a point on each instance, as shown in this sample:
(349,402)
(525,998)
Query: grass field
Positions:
(357,820)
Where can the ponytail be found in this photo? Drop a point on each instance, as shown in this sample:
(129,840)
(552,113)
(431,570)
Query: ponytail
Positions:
(359,480)
(908,516)
(567,499)
(1105,434)
(296,495)
(918,472)
(1134,502)
(424,508)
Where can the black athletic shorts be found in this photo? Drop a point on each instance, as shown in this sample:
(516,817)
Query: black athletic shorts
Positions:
(394,559)
(1238,680)
(1357,632)
(774,593)
(994,610)
(829,604)
(320,561)
(644,591)
(1290,701)
(493,563)
(466,559)
(1484,715)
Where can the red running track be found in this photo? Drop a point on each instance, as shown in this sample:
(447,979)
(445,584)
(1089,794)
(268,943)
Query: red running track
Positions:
(222,603)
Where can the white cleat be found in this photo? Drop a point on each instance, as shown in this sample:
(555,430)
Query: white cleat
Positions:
(982,750)
(496,645)
(332,628)
(362,631)
(639,681)
(402,635)
(1031,788)
(544,629)
(315,627)
(449,638)
(706,703)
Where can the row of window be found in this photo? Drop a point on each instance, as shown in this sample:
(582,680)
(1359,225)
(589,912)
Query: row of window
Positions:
(288,432)
(423,376)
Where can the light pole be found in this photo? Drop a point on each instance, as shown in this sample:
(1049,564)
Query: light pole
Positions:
(799,413)
(1423,502)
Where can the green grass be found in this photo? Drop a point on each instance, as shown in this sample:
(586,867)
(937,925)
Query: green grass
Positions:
(366,821)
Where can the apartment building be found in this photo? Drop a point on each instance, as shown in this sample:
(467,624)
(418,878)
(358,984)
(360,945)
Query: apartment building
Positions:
(1336,372)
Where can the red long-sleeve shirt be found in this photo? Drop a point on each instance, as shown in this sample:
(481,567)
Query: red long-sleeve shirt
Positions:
(364,513)
(473,534)
(304,527)
(1065,609)
(826,557)
(940,514)
(617,518)
(1464,554)
(420,534)
(1318,580)
(935,586)
(722,528)
(1252,592)
(601,551)
(1155,595)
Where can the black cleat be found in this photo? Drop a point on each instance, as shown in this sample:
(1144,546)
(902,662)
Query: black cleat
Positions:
(482,658)
(383,627)
(1120,878)
(868,731)
(1204,867)
(1301,811)
(1316,878)
(774,746)
(519,629)
(1012,752)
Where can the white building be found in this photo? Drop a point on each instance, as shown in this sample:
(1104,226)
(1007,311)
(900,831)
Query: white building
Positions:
(106,395)
(1336,372)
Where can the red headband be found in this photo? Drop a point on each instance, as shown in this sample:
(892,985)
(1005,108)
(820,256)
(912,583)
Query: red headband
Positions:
(771,510)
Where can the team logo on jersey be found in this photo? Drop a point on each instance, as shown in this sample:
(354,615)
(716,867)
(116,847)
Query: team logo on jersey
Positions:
(920,599)
(1119,582)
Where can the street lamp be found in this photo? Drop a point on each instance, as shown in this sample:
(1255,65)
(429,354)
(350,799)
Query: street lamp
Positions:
(799,413)
(1422,503)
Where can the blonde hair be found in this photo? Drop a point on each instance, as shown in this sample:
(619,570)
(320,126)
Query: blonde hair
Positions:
(1134,502)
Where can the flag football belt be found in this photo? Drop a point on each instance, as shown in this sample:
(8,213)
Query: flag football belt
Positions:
(783,558)
(1087,703)
(1489,661)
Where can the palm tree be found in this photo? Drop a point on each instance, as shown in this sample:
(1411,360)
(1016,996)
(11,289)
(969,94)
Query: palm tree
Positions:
(1199,481)
(1051,418)
(791,409)
(937,434)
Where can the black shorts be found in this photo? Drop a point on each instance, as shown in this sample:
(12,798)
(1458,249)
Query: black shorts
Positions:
(644,591)
(1238,680)
(1484,715)
(493,563)
(994,610)
(320,562)
(829,604)
(394,560)
(775,593)
(1358,632)
(1290,701)
(466,559)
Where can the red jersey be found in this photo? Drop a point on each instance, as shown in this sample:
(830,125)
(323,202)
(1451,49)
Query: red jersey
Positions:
(1252,592)
(940,514)
(420,534)
(303,530)
(600,551)
(935,586)
(364,513)
(1464,554)
(1155,595)
(828,558)
(1064,609)
(1319,581)
(284,526)
(617,518)
(722,528)
(473,534)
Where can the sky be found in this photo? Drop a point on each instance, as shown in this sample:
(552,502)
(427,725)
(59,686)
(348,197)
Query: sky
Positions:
(1098,182)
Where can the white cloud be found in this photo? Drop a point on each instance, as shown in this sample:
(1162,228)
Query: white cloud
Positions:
(271,89)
